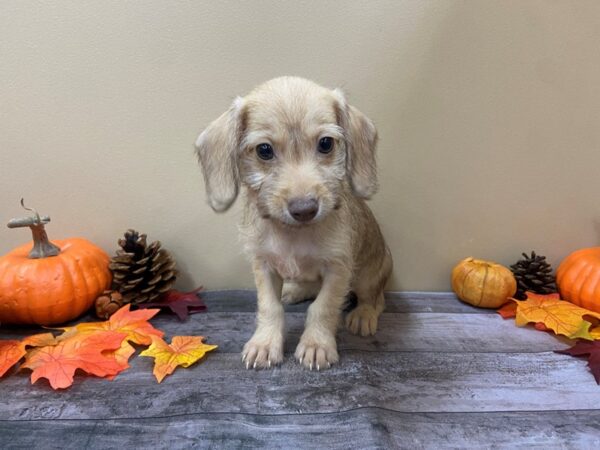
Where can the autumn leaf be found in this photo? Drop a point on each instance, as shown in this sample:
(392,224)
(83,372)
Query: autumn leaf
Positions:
(548,312)
(180,303)
(101,349)
(121,355)
(86,351)
(183,351)
(40,340)
(133,323)
(540,326)
(12,351)
(508,310)
(589,349)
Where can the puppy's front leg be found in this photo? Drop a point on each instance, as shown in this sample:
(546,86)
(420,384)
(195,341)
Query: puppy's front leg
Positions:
(265,348)
(317,347)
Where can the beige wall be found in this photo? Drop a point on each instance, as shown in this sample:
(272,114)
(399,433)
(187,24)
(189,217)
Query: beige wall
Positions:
(488,112)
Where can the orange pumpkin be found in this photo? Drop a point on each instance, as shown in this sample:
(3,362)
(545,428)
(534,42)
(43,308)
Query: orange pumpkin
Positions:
(483,283)
(52,283)
(578,278)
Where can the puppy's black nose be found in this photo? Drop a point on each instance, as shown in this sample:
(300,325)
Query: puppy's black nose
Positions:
(303,209)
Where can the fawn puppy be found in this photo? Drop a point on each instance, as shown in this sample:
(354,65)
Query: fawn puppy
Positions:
(306,161)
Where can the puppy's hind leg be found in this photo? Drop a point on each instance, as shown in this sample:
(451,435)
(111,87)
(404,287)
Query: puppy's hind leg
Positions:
(368,287)
(296,292)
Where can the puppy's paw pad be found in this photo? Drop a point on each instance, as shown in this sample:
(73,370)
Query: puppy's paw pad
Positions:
(362,320)
(261,354)
(316,356)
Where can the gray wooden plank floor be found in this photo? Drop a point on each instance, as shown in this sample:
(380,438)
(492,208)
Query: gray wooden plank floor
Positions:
(438,374)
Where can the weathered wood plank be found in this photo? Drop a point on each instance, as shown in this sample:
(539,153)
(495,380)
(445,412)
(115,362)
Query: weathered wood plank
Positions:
(365,428)
(397,332)
(239,301)
(406,332)
(439,373)
(245,301)
(404,382)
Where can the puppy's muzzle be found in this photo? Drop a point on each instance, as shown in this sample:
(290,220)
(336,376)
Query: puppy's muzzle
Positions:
(303,209)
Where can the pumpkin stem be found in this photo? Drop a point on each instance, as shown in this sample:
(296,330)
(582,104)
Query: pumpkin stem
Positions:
(42,247)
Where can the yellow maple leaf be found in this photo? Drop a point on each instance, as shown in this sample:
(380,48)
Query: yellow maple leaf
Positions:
(557,315)
(183,351)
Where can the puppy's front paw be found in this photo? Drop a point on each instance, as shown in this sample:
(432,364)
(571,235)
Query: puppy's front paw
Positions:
(362,320)
(263,352)
(317,353)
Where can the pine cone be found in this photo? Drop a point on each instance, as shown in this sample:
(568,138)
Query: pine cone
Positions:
(141,272)
(108,304)
(533,274)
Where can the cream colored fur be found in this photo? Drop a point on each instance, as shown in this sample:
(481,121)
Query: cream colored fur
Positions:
(339,250)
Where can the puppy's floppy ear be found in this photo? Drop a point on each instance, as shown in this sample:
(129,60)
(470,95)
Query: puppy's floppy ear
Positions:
(361,141)
(218,148)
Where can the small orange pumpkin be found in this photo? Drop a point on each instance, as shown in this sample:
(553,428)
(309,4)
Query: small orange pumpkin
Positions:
(483,283)
(52,283)
(578,278)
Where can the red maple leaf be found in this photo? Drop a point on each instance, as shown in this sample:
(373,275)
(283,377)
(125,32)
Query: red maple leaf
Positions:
(589,349)
(508,310)
(180,303)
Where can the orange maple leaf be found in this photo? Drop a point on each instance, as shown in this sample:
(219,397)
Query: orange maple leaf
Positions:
(12,351)
(87,352)
(549,312)
(133,323)
(183,351)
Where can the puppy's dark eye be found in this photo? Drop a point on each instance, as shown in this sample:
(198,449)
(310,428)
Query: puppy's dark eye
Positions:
(265,151)
(325,144)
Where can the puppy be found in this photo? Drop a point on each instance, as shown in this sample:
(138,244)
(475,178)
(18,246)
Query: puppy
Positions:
(306,160)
